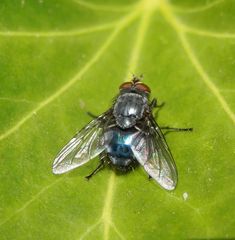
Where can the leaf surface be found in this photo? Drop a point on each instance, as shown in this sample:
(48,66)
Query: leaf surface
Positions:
(60,59)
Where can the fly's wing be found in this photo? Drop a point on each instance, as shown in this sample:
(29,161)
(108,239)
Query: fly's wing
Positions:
(85,145)
(151,151)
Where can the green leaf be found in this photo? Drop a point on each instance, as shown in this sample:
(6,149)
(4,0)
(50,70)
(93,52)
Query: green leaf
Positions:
(60,59)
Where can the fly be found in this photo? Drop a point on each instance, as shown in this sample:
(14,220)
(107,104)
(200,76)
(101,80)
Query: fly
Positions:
(124,136)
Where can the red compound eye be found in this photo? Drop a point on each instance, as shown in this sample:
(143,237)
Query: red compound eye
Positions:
(142,87)
(126,85)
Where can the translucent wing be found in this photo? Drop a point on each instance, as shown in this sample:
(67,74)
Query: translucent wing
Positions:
(152,152)
(85,145)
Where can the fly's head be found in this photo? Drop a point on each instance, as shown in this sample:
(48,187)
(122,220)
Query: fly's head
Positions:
(131,103)
(135,86)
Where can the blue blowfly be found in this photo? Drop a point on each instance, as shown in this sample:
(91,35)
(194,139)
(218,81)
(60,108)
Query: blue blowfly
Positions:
(124,136)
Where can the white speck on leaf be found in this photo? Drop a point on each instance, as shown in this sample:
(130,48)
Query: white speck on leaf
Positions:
(185,196)
(81,103)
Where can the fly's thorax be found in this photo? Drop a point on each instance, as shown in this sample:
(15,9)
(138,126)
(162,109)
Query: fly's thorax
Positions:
(129,108)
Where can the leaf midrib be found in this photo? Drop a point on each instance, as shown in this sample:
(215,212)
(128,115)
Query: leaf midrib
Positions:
(180,28)
(166,11)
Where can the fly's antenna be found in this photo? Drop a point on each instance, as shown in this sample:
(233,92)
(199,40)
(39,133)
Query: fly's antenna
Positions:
(136,79)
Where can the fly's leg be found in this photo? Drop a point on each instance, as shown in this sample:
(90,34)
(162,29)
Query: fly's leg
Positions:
(171,129)
(92,115)
(154,104)
(99,167)
(177,129)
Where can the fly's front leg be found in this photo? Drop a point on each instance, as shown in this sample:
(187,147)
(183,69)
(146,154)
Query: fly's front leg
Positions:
(99,167)
(171,129)
(154,104)
(177,129)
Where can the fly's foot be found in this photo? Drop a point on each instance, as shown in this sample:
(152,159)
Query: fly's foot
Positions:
(154,104)
(91,115)
(99,167)
(88,177)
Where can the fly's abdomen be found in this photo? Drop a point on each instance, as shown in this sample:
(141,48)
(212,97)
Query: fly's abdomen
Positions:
(118,146)
(120,150)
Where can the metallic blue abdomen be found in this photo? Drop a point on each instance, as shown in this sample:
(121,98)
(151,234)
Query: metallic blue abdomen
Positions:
(118,146)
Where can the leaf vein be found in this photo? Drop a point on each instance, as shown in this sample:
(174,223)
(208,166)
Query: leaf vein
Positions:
(75,33)
(207,33)
(123,23)
(31,200)
(100,7)
(148,8)
(8,99)
(198,9)
(90,229)
(117,231)
(107,210)
(167,13)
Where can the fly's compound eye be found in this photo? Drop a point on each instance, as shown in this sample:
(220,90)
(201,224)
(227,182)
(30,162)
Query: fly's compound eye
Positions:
(142,87)
(126,85)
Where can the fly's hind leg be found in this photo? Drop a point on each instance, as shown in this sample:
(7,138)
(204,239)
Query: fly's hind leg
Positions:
(99,167)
